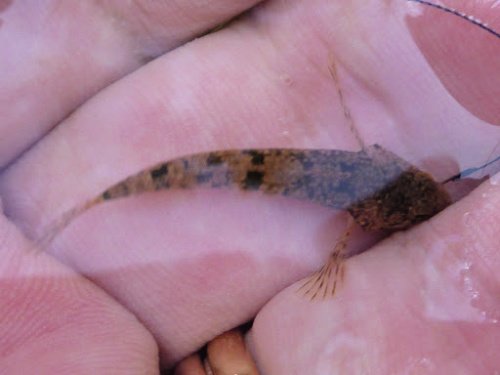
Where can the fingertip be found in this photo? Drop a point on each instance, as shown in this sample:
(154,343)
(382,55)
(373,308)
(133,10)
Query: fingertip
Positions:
(462,54)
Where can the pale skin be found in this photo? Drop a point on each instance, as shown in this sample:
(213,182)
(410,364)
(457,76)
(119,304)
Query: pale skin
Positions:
(192,264)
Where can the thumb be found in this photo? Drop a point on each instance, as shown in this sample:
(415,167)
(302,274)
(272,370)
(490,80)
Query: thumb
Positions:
(425,300)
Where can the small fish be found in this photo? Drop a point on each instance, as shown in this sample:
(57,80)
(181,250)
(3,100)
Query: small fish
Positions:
(379,189)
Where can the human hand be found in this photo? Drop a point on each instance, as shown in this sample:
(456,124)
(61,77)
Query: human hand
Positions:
(190,265)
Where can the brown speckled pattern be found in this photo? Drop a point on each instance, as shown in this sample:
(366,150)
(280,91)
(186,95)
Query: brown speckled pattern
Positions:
(378,188)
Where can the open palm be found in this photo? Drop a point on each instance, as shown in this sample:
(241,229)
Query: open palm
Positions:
(156,276)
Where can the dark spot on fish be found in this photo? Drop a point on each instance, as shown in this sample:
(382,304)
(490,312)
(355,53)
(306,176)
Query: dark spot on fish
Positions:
(204,177)
(214,159)
(257,157)
(106,195)
(253,180)
(159,172)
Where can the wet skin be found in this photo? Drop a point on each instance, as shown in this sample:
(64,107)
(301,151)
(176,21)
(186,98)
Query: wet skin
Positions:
(178,258)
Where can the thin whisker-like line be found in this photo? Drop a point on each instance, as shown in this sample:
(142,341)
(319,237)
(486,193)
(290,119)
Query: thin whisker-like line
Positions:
(462,15)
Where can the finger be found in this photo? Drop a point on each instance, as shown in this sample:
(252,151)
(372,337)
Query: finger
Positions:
(58,54)
(56,320)
(190,366)
(421,301)
(212,258)
(191,282)
(178,106)
(191,265)
(464,56)
(162,127)
(227,354)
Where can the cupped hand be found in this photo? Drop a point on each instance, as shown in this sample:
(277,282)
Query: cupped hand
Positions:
(154,277)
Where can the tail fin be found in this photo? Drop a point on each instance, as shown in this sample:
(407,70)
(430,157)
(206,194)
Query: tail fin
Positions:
(63,221)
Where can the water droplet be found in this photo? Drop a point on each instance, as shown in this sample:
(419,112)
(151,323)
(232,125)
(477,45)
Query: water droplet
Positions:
(495,180)
(467,218)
